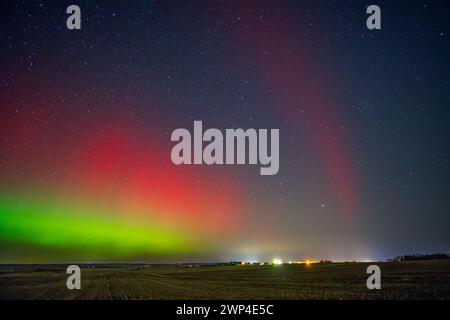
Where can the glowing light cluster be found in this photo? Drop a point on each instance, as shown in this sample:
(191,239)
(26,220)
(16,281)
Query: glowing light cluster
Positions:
(277,261)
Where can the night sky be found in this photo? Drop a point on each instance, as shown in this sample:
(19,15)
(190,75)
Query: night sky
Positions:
(86,117)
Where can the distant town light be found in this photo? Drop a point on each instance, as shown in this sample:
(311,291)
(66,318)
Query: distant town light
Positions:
(277,261)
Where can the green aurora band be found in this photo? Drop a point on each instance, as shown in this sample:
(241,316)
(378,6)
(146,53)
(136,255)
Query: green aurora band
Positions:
(47,225)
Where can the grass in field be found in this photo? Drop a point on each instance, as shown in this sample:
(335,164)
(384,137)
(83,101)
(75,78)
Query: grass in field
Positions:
(400,280)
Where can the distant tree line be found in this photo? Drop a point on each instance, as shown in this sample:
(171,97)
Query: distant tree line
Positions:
(325,261)
(416,257)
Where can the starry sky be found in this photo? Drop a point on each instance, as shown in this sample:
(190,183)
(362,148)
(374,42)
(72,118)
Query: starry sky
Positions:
(86,117)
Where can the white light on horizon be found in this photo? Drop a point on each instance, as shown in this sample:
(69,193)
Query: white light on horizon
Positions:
(277,261)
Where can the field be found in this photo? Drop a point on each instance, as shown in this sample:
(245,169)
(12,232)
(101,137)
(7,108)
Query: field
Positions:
(399,280)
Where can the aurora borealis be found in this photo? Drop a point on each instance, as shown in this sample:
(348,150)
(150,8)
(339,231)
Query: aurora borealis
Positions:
(86,118)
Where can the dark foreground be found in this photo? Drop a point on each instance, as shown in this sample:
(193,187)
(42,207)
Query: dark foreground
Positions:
(400,280)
